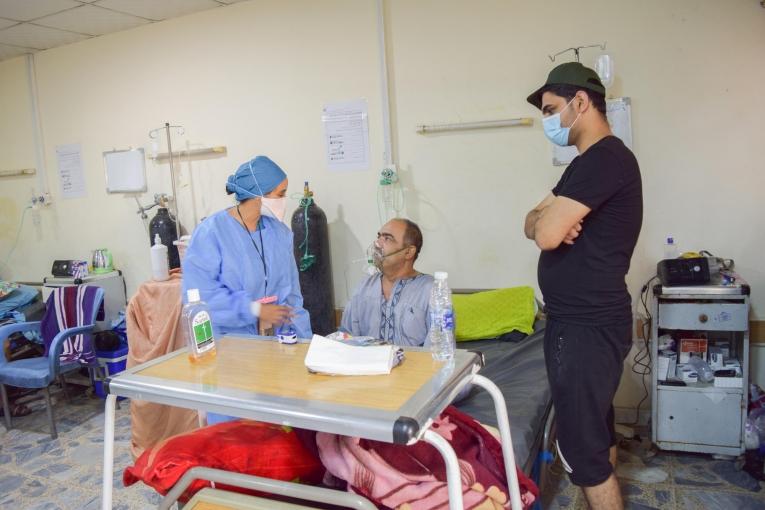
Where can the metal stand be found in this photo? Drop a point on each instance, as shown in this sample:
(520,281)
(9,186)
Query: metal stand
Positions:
(49,408)
(153,134)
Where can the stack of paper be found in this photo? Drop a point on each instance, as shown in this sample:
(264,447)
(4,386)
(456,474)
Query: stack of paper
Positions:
(332,357)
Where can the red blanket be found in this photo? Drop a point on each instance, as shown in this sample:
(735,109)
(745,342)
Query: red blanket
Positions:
(414,477)
(243,446)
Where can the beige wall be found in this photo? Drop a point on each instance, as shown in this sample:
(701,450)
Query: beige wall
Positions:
(16,151)
(254,76)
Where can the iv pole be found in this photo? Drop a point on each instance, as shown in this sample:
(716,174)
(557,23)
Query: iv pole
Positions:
(153,134)
(576,50)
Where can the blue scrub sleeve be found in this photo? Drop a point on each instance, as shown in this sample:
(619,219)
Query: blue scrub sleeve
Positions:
(201,270)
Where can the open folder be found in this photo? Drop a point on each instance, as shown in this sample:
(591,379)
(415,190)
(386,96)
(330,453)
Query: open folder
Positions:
(327,356)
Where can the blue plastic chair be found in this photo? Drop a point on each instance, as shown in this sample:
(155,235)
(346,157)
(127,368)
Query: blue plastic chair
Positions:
(41,371)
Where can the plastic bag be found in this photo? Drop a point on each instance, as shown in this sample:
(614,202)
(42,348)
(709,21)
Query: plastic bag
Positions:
(706,374)
(751,435)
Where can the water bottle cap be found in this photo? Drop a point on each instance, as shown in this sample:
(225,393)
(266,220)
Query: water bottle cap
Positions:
(670,240)
(440,275)
(157,239)
(193,295)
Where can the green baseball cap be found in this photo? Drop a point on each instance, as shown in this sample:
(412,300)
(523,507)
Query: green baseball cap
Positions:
(570,73)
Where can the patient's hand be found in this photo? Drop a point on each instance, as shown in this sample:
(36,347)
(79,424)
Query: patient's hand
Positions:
(275,314)
(573,233)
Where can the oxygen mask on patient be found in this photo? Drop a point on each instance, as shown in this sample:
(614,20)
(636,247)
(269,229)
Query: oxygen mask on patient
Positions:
(376,254)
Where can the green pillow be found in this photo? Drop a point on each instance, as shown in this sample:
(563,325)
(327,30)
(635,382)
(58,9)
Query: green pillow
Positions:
(493,313)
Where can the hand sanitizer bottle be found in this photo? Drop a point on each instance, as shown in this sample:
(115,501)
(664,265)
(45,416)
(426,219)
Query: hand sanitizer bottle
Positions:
(160,270)
(197,327)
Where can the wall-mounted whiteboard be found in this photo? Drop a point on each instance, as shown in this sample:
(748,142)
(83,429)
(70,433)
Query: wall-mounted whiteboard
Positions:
(619,114)
(125,171)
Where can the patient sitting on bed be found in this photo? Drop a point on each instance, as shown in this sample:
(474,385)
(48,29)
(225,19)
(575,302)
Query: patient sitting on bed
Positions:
(392,304)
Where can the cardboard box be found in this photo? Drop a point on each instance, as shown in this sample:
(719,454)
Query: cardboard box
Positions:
(729,382)
(693,346)
(667,365)
(724,346)
(716,358)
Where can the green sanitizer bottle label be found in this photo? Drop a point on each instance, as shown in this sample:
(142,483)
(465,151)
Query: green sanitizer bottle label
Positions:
(203,335)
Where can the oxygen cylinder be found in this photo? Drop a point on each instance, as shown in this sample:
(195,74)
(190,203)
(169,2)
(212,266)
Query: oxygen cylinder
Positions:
(164,225)
(311,245)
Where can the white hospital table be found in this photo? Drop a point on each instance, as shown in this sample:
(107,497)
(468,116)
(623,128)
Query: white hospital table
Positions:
(267,381)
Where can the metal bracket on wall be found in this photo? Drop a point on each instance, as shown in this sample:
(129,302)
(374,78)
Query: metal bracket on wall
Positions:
(466,126)
(17,173)
(217,151)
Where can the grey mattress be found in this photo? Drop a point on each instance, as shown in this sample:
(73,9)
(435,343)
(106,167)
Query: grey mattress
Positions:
(518,369)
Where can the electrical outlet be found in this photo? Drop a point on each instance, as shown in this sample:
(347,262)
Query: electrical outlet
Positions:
(38,201)
(641,324)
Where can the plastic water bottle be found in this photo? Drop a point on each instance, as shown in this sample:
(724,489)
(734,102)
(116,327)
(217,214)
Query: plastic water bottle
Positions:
(671,250)
(197,327)
(441,332)
(160,269)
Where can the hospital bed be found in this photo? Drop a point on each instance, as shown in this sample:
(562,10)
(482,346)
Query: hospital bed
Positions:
(25,300)
(518,369)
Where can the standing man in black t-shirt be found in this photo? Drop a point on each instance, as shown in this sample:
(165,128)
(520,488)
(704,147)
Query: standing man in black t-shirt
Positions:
(587,229)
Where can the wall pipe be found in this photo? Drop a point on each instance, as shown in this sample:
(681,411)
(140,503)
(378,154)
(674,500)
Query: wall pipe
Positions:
(486,124)
(388,158)
(37,132)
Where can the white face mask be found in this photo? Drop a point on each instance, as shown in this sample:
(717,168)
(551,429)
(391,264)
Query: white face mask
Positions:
(275,207)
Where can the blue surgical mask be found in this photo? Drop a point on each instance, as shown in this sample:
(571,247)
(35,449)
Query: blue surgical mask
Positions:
(556,133)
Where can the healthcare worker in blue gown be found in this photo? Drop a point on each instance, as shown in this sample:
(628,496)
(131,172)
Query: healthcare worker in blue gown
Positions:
(241,258)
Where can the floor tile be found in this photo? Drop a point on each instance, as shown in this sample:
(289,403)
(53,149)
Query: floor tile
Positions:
(693,499)
(37,472)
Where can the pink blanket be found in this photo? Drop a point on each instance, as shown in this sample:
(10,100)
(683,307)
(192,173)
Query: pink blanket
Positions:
(414,477)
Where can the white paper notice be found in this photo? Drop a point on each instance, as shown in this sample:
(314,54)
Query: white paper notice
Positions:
(346,130)
(70,171)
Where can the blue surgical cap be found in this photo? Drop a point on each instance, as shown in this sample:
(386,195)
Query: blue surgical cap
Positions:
(255,178)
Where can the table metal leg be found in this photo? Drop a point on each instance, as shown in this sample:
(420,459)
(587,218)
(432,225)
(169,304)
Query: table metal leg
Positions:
(453,477)
(6,407)
(503,424)
(108,474)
